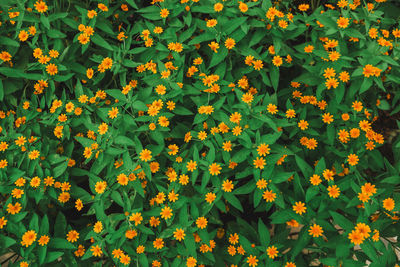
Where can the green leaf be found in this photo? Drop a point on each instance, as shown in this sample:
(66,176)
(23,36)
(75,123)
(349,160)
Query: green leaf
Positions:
(45,21)
(367,83)
(123,140)
(52,256)
(330,132)
(60,243)
(264,233)
(61,225)
(98,40)
(301,243)
(234,201)
(55,34)
(245,189)
(190,244)
(218,57)
(8,41)
(57,16)
(1,91)
(234,24)
(34,223)
(269,121)
(44,225)
(304,167)
(180,110)
(6,241)
(369,250)
(116,196)
(311,193)
(341,221)
(132,4)
(202,38)
(281,177)
(60,169)
(42,254)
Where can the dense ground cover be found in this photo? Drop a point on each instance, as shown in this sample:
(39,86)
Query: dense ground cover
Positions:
(199,132)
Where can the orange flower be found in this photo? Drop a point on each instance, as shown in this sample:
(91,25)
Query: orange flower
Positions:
(164,13)
(327,118)
(315,230)
(263,149)
(269,195)
(215,169)
(100,187)
(272,252)
(43,240)
(230,43)
(3,222)
(14,209)
(96,251)
(227,185)
(136,217)
(243,7)
(259,163)
(40,6)
(52,69)
(252,261)
(28,238)
(355,237)
(158,243)
(23,35)
(277,61)
(388,204)
(179,234)
(309,48)
(303,125)
(333,191)
(72,236)
(34,154)
(191,262)
(201,222)
(166,213)
(342,22)
(210,197)
(211,23)
(304,7)
(299,207)
(352,159)
(145,155)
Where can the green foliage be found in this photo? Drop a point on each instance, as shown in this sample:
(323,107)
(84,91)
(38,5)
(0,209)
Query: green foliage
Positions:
(199,133)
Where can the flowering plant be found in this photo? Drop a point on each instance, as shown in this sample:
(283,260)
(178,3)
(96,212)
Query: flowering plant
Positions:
(199,133)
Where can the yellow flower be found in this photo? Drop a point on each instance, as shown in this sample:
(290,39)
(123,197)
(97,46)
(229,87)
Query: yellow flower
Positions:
(166,213)
(145,155)
(100,187)
(43,240)
(211,23)
(164,13)
(28,238)
(299,207)
(179,234)
(342,22)
(201,222)
(96,251)
(388,204)
(272,252)
(227,185)
(41,6)
(215,169)
(72,236)
(34,154)
(98,227)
